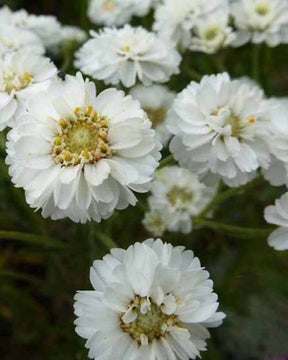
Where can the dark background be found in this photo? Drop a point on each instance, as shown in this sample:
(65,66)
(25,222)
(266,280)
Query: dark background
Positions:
(39,276)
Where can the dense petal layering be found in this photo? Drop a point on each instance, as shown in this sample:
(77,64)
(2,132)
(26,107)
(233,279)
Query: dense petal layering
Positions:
(220,128)
(79,155)
(127,54)
(152,302)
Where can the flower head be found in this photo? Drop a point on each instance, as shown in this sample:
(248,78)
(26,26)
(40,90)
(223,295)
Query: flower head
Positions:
(178,195)
(21,75)
(212,31)
(81,155)
(14,39)
(220,127)
(156,101)
(123,55)
(260,20)
(148,303)
(278,215)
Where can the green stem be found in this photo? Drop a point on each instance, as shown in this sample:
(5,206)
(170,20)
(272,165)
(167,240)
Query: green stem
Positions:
(106,240)
(237,231)
(193,74)
(256,62)
(32,239)
(220,197)
(169,160)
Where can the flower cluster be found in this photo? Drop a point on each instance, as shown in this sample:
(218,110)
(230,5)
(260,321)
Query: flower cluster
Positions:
(177,197)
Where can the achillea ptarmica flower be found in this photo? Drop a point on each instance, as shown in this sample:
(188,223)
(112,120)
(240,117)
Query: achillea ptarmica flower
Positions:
(46,27)
(174,20)
(278,215)
(260,21)
(277,110)
(116,12)
(154,221)
(21,75)
(72,34)
(153,301)
(212,32)
(220,127)
(123,55)
(14,39)
(155,101)
(179,196)
(79,155)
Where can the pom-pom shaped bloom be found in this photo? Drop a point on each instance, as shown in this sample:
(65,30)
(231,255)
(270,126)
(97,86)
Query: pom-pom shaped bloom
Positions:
(156,100)
(220,128)
(212,31)
(179,196)
(72,34)
(110,12)
(116,12)
(278,215)
(123,55)
(79,155)
(277,110)
(14,39)
(175,19)
(46,27)
(152,301)
(21,75)
(260,21)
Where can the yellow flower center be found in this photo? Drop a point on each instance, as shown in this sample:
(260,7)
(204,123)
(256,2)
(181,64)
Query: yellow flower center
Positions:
(179,196)
(157,116)
(211,33)
(109,5)
(262,9)
(152,325)
(83,139)
(16,82)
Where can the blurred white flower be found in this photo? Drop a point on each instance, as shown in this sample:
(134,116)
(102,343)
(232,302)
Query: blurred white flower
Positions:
(260,21)
(117,12)
(22,75)
(174,19)
(123,55)
(14,39)
(154,222)
(153,301)
(46,27)
(179,196)
(220,127)
(277,110)
(79,155)
(212,32)
(156,101)
(72,34)
(278,215)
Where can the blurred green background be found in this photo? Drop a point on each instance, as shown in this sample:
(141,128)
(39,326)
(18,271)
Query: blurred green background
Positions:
(39,275)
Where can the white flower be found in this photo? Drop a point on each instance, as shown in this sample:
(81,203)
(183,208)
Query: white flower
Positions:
(260,21)
(72,34)
(212,32)
(153,301)
(277,110)
(46,27)
(110,12)
(278,215)
(179,196)
(117,12)
(154,222)
(156,101)
(123,55)
(79,155)
(174,19)
(220,127)
(21,76)
(14,39)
